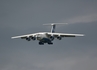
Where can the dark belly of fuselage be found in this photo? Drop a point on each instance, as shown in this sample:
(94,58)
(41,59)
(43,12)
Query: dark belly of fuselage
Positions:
(45,40)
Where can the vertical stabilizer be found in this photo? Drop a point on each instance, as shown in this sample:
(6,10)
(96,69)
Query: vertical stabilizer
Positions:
(53,28)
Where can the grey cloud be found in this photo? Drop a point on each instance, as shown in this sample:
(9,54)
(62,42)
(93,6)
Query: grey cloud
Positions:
(27,14)
(82,19)
(76,59)
(19,17)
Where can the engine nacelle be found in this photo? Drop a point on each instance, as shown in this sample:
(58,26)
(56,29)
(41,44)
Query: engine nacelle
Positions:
(33,38)
(28,39)
(51,37)
(59,37)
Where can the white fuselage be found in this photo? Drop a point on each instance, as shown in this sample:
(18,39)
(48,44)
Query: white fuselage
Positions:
(41,36)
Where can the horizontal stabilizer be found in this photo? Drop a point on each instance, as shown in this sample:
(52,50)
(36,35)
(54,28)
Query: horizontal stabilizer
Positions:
(55,23)
(54,26)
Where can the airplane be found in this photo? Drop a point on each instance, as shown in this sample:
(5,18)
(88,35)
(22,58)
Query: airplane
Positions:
(47,37)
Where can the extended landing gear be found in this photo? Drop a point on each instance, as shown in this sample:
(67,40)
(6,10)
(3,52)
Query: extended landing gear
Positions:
(41,43)
(50,43)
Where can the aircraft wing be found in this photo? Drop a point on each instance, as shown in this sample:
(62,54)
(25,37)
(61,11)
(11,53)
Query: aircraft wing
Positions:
(23,36)
(65,34)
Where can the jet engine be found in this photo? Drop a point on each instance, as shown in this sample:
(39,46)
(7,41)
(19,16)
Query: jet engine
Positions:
(51,37)
(59,37)
(28,38)
(33,38)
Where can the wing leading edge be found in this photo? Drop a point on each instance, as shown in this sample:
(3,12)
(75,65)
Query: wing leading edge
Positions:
(49,34)
(23,36)
(65,34)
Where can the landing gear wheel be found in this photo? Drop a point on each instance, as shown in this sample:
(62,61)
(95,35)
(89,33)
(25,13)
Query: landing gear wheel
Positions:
(50,43)
(40,43)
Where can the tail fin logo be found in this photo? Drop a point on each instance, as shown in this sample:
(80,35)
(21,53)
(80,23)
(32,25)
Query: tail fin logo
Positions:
(53,28)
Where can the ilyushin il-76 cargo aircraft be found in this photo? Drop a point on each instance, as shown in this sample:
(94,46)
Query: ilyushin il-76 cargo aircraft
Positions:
(47,37)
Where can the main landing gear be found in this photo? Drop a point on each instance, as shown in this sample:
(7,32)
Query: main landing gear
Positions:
(50,43)
(41,43)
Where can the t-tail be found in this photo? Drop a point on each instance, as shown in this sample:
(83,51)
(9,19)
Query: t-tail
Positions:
(53,26)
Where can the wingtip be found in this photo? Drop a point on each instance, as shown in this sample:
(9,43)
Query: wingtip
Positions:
(83,35)
(11,37)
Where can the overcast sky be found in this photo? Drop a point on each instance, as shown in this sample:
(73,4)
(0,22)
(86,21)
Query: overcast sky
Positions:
(19,17)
